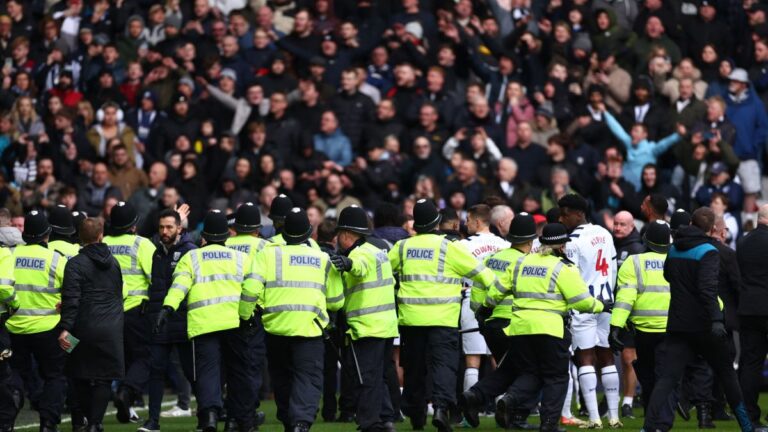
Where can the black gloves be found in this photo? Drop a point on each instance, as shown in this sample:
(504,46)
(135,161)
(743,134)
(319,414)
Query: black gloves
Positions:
(341,262)
(718,330)
(482,314)
(607,305)
(614,340)
(162,317)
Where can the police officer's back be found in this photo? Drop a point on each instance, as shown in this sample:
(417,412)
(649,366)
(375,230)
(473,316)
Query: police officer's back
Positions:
(8,304)
(39,272)
(296,285)
(431,269)
(279,209)
(62,230)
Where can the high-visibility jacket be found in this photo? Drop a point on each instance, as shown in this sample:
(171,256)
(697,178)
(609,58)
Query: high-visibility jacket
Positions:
(278,239)
(38,273)
(134,254)
(643,295)
(247,244)
(8,298)
(430,269)
(211,279)
(498,263)
(544,288)
(369,294)
(297,285)
(64,247)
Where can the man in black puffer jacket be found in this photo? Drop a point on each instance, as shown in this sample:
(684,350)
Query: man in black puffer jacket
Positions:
(172,243)
(696,322)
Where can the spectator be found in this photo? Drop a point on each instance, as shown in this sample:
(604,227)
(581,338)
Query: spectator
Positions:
(145,199)
(468,182)
(334,199)
(720,181)
(626,239)
(92,195)
(111,125)
(123,173)
(332,142)
(607,73)
(353,108)
(719,205)
(528,155)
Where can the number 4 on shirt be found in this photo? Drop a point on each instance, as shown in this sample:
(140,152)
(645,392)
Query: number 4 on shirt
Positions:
(601,264)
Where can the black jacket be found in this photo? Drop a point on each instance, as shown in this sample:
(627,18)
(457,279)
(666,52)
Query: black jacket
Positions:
(628,246)
(729,284)
(163,264)
(692,269)
(751,254)
(92,311)
(354,112)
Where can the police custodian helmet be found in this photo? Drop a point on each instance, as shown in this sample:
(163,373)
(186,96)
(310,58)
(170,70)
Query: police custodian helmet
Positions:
(554,234)
(36,227)
(122,217)
(297,228)
(280,207)
(215,229)
(61,220)
(425,216)
(522,229)
(657,236)
(353,218)
(247,218)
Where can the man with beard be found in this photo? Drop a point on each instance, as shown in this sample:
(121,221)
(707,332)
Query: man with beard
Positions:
(171,243)
(44,190)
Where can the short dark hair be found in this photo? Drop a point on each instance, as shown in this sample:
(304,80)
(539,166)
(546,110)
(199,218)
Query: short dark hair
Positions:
(658,203)
(387,214)
(573,202)
(90,229)
(448,215)
(480,212)
(326,231)
(704,218)
(170,213)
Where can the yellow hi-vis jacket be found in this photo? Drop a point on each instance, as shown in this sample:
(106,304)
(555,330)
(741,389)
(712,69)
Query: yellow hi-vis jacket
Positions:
(38,272)
(134,254)
(297,284)
(369,294)
(8,298)
(544,288)
(212,279)
(247,244)
(430,269)
(64,247)
(643,295)
(498,263)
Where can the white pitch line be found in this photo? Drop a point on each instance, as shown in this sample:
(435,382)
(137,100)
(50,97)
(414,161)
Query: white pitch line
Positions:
(111,412)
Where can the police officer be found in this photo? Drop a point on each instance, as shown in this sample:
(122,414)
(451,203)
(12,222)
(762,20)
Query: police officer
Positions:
(8,304)
(545,285)
(369,292)
(297,286)
(134,254)
(212,281)
(522,232)
(38,272)
(62,230)
(643,300)
(279,209)
(246,224)
(430,268)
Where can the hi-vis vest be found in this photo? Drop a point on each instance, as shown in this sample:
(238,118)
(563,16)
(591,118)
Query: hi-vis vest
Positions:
(134,254)
(369,294)
(211,279)
(643,295)
(246,244)
(498,263)
(297,284)
(430,269)
(64,247)
(544,288)
(278,240)
(38,272)
(8,298)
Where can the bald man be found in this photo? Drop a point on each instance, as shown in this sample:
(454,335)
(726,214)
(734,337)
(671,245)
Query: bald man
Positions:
(627,241)
(501,217)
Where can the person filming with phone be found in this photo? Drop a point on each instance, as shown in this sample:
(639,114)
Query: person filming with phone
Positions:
(92,322)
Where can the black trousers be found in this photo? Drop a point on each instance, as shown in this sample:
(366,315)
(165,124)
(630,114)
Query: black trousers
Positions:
(495,338)
(370,354)
(648,365)
(254,341)
(680,349)
(753,335)
(50,358)
(136,336)
(224,353)
(423,351)
(7,406)
(296,368)
(160,361)
(542,364)
(93,397)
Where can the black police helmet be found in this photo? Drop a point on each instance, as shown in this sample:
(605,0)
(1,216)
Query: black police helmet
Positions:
(657,236)
(522,229)
(122,217)
(353,218)
(554,234)
(247,218)
(77,218)
(36,227)
(680,218)
(215,229)
(61,221)
(425,216)
(297,228)
(280,208)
